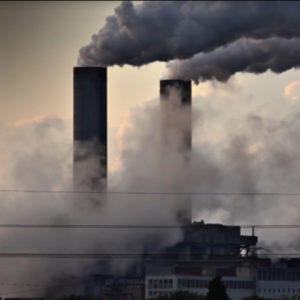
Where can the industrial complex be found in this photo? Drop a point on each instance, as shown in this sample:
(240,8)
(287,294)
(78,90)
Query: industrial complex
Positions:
(206,250)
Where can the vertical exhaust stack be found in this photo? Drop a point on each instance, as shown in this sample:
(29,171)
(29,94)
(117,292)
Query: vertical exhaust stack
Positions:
(90,128)
(180,93)
(176,123)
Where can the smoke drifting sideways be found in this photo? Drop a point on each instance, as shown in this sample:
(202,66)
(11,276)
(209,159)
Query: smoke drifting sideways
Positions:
(244,55)
(214,39)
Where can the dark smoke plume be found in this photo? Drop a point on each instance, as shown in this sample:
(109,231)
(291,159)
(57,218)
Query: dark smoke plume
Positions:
(164,31)
(244,55)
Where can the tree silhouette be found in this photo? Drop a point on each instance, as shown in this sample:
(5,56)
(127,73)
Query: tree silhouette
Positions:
(216,290)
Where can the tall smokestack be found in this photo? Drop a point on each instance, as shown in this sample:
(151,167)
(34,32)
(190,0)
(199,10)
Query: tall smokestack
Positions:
(177,95)
(90,127)
(176,100)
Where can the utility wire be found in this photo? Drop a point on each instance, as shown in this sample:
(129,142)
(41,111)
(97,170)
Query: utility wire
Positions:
(126,226)
(155,193)
(115,255)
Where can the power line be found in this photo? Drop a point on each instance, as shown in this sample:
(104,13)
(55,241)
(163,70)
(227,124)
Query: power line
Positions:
(155,193)
(89,226)
(115,255)
(126,226)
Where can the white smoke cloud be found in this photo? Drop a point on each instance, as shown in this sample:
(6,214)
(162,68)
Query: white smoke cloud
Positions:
(256,153)
(38,156)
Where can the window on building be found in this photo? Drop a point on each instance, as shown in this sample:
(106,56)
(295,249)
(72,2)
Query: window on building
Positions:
(235,284)
(155,285)
(165,283)
(243,284)
(259,275)
(188,283)
(170,283)
(192,283)
(179,283)
(150,283)
(160,283)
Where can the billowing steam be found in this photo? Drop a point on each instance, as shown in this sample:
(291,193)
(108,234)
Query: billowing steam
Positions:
(138,168)
(218,39)
(253,158)
(221,38)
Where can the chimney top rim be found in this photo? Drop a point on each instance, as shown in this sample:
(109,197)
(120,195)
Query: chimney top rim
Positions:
(89,67)
(175,80)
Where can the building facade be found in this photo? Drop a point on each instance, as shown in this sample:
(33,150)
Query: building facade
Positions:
(263,278)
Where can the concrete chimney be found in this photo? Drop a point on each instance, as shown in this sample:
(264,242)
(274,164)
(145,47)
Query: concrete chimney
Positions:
(183,91)
(176,123)
(90,127)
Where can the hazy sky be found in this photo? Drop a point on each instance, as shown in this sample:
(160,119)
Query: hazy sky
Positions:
(39,47)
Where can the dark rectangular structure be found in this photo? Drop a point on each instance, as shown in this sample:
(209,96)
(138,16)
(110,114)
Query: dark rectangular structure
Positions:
(90,121)
(176,123)
(183,86)
(184,89)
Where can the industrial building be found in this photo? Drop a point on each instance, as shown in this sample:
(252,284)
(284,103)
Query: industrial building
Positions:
(278,280)
(238,286)
(206,250)
(242,277)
